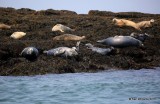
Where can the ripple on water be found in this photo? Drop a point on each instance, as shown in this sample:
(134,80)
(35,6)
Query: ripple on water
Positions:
(110,87)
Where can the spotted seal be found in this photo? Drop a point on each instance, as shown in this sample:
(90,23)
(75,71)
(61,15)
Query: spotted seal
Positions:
(62,28)
(103,51)
(63,51)
(121,42)
(124,22)
(18,35)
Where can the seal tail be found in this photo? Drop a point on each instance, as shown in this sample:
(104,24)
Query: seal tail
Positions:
(147,35)
(99,41)
(112,48)
(45,52)
(77,45)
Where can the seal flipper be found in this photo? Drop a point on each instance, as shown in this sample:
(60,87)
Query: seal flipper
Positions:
(77,45)
(100,41)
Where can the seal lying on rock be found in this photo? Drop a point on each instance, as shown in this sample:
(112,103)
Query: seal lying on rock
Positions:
(4,26)
(69,37)
(141,37)
(103,51)
(62,28)
(17,35)
(63,51)
(145,24)
(121,42)
(30,53)
(124,22)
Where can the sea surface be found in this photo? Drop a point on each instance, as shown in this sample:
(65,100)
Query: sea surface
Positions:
(108,87)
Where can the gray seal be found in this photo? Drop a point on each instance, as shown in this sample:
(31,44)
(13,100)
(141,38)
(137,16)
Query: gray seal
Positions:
(121,42)
(102,51)
(141,37)
(62,28)
(63,51)
(67,37)
(30,53)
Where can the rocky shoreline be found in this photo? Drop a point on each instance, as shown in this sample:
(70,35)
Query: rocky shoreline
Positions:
(95,25)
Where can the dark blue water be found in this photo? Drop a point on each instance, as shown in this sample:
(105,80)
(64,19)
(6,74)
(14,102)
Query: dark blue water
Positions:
(110,87)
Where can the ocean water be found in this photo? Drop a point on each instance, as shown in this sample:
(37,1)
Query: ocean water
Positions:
(108,87)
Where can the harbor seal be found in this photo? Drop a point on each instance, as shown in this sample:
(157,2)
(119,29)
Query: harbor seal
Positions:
(67,37)
(63,51)
(17,35)
(30,53)
(62,28)
(4,26)
(124,22)
(121,42)
(145,24)
(141,37)
(102,51)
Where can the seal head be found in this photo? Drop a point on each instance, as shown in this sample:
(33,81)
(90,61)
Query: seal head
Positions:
(141,37)
(30,53)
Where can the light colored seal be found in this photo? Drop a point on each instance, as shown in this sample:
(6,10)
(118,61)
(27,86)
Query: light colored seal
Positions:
(30,53)
(17,35)
(4,26)
(63,51)
(141,37)
(67,37)
(121,42)
(145,24)
(124,22)
(62,28)
(102,51)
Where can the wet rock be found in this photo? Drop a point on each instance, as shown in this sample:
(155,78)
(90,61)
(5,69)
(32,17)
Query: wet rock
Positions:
(120,14)
(100,13)
(8,50)
(51,12)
